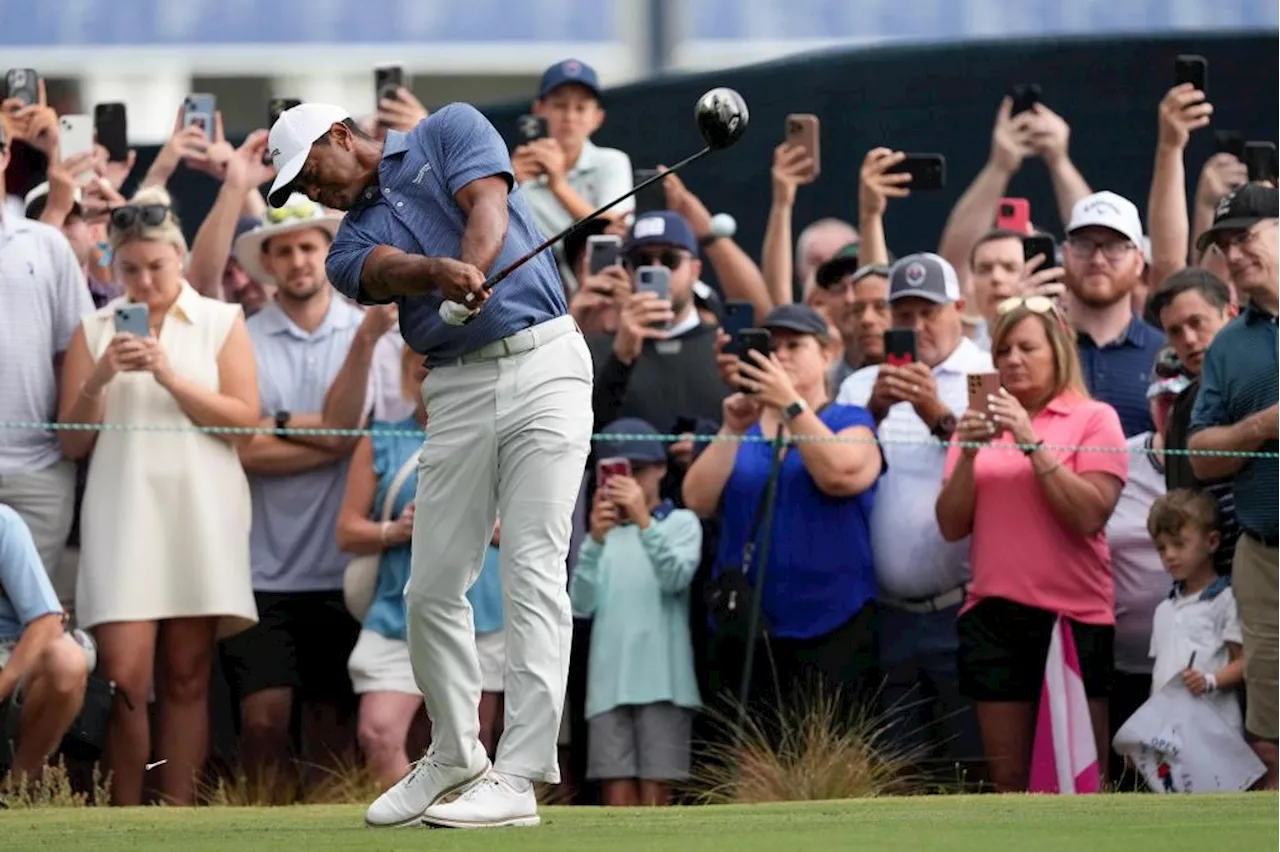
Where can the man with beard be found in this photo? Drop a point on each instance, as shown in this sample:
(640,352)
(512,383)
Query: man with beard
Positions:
(1104,263)
(298,649)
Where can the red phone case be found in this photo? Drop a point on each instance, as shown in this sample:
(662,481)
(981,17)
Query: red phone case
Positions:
(1014,214)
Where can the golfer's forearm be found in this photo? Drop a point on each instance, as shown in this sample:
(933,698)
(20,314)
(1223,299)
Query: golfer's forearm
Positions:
(389,272)
(486,230)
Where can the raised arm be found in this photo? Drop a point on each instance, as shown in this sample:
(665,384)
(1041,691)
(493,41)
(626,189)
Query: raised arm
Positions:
(213,242)
(791,166)
(1050,135)
(1181,111)
(875,188)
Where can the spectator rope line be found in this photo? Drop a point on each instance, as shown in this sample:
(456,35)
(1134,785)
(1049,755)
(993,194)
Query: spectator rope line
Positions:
(17,425)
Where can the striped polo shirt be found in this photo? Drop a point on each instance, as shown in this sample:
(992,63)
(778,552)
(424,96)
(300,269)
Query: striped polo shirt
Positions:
(413,208)
(1240,379)
(1118,373)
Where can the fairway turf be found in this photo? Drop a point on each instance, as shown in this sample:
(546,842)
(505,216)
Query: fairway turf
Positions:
(1239,823)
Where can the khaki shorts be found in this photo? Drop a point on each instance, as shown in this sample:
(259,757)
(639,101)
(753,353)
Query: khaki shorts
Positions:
(1253,579)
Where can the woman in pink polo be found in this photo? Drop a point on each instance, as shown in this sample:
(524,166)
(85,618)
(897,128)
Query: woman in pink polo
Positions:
(1035,514)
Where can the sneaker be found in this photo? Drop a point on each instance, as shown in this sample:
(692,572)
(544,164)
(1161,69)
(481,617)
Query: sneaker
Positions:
(489,803)
(427,783)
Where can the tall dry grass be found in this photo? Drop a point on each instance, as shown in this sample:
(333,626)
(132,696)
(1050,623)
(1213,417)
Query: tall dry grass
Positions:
(54,789)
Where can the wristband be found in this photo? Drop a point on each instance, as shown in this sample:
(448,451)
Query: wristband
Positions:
(1210,683)
(382,531)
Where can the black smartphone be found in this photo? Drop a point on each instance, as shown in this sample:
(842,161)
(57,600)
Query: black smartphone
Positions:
(533,127)
(738,316)
(1025,96)
(652,197)
(1260,160)
(755,340)
(685,425)
(900,347)
(1192,69)
(111,126)
(1229,142)
(386,80)
(23,84)
(1040,244)
(928,171)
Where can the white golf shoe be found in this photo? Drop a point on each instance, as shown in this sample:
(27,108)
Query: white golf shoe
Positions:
(428,782)
(491,802)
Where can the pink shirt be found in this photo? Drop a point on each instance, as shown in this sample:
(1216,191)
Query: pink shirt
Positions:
(1019,549)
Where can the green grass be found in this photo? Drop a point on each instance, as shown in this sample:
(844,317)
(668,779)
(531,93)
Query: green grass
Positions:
(1240,823)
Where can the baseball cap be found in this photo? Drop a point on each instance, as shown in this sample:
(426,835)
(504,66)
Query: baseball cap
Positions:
(661,227)
(801,319)
(1107,210)
(38,198)
(639,451)
(1240,209)
(838,266)
(290,142)
(569,71)
(924,276)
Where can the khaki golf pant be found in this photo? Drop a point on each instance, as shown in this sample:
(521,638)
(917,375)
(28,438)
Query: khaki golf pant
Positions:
(1253,579)
(506,434)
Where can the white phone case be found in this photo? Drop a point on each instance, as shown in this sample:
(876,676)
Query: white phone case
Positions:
(76,135)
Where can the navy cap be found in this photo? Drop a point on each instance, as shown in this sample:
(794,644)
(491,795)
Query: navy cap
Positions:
(801,319)
(569,71)
(635,451)
(661,227)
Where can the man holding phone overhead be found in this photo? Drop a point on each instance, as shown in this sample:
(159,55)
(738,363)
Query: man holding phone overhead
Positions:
(921,577)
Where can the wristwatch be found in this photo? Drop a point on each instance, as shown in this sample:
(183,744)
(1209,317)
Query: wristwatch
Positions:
(945,427)
(723,226)
(282,422)
(794,410)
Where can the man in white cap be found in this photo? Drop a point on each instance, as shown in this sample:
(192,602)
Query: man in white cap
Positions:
(430,214)
(1104,264)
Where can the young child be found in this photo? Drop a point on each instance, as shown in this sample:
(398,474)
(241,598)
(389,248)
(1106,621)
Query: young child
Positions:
(1195,634)
(564,176)
(633,577)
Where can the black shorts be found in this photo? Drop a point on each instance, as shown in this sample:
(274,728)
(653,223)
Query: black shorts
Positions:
(302,640)
(1003,646)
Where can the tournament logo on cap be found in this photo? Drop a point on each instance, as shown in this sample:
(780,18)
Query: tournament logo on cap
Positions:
(649,226)
(572,68)
(916,273)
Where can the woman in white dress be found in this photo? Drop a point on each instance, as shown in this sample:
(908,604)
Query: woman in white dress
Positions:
(164,564)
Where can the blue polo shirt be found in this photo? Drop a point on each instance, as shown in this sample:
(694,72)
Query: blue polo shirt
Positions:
(820,571)
(1240,379)
(413,208)
(1119,373)
(25,591)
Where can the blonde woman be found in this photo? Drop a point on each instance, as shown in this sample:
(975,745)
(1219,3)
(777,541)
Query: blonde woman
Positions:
(164,566)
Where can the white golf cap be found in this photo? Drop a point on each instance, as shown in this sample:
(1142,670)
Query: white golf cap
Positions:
(1107,210)
(290,142)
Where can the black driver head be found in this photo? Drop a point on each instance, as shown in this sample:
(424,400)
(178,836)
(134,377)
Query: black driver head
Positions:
(722,117)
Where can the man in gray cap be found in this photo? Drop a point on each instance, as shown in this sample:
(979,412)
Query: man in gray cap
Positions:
(922,578)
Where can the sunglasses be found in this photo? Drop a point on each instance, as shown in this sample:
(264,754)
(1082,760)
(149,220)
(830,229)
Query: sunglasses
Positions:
(1034,304)
(130,215)
(301,210)
(670,258)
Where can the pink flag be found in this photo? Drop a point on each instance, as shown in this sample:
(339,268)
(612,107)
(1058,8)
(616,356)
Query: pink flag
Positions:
(1064,758)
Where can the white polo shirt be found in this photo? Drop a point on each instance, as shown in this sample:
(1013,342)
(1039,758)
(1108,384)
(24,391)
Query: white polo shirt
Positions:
(599,175)
(912,560)
(1202,623)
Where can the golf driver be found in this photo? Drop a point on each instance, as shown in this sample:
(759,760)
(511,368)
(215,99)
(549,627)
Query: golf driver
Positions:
(721,115)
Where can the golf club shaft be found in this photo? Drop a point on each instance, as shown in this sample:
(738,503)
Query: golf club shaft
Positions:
(548,243)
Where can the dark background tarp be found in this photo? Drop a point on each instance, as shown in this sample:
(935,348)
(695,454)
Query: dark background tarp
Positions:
(922,98)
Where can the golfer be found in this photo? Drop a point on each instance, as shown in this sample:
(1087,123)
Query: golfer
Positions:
(430,212)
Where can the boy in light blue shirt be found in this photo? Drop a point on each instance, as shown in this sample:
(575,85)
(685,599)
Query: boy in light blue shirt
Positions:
(633,576)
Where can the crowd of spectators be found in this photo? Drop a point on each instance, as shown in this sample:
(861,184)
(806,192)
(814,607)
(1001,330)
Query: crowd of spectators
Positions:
(917,543)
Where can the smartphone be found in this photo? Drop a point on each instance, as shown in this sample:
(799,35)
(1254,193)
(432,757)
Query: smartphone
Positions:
(982,386)
(111,126)
(685,425)
(900,347)
(1040,244)
(1229,142)
(1192,69)
(23,84)
(198,111)
(1260,160)
(607,469)
(652,197)
(385,82)
(76,135)
(533,127)
(1025,96)
(755,340)
(603,251)
(133,319)
(928,171)
(1014,214)
(656,280)
(803,130)
(738,317)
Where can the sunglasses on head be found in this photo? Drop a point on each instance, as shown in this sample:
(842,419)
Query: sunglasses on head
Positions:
(670,258)
(1034,304)
(149,215)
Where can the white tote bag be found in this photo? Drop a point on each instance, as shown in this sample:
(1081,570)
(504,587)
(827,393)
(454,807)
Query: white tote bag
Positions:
(360,580)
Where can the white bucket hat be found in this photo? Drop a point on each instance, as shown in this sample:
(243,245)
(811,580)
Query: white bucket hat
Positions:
(297,214)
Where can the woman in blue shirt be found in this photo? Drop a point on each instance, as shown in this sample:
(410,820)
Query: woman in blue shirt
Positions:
(819,584)
(379,665)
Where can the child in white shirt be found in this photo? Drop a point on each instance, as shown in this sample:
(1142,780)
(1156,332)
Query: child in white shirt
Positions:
(1195,634)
